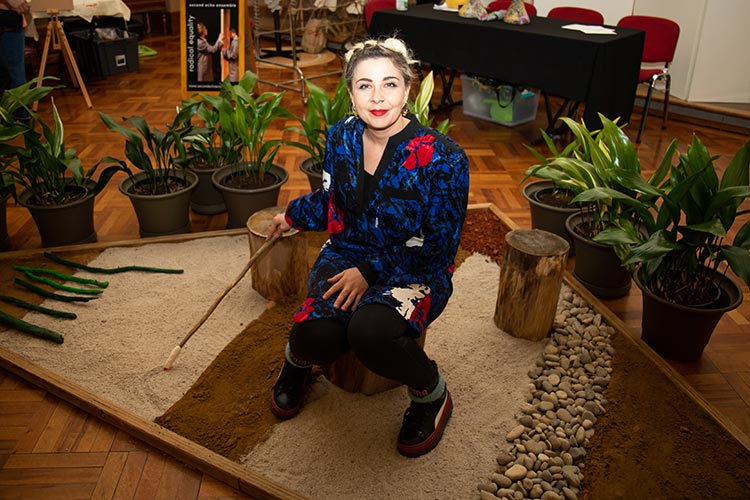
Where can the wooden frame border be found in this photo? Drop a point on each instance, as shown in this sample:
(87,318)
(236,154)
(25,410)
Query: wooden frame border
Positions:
(221,468)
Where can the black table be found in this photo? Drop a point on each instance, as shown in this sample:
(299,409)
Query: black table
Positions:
(599,70)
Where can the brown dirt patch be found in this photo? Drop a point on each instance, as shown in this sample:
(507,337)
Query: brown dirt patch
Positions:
(227,409)
(656,442)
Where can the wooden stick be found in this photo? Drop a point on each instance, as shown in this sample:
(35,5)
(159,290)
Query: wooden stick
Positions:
(261,251)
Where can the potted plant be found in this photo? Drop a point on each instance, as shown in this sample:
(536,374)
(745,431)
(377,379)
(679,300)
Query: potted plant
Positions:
(213,148)
(550,202)
(420,106)
(322,112)
(681,267)
(252,182)
(603,171)
(11,129)
(160,192)
(54,187)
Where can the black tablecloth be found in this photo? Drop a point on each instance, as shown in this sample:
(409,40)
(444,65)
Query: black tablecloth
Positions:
(600,70)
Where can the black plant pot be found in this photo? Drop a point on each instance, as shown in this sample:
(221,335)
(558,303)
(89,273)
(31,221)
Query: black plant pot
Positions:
(242,203)
(160,214)
(545,216)
(206,199)
(597,266)
(680,332)
(314,174)
(68,224)
(4,238)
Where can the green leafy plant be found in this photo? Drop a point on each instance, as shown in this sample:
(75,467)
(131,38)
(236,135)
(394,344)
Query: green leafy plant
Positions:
(322,112)
(159,154)
(242,124)
(214,146)
(208,150)
(420,106)
(15,99)
(49,170)
(692,222)
(601,168)
(11,101)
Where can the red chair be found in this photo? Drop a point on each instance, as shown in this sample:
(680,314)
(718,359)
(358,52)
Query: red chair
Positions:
(577,14)
(503,5)
(659,47)
(375,5)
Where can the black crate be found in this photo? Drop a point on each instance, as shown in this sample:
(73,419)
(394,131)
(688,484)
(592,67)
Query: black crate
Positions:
(101,58)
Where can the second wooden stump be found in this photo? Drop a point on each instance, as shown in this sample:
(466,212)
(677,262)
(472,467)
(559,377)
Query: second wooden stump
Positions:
(530,281)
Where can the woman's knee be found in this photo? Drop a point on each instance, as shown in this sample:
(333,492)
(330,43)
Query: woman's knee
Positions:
(373,329)
(319,341)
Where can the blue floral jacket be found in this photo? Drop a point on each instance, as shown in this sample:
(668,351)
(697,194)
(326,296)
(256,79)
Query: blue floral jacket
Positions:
(403,238)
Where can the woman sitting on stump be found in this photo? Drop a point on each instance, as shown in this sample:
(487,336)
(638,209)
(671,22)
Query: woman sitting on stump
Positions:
(393,201)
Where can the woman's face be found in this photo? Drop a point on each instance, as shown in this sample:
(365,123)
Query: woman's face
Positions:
(379,94)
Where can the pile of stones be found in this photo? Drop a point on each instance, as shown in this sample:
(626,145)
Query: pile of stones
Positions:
(547,448)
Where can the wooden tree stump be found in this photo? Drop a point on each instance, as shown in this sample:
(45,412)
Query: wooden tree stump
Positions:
(530,281)
(282,272)
(351,375)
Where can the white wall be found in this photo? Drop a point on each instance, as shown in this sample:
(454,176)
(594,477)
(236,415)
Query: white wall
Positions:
(713,54)
(712,61)
(689,15)
(722,61)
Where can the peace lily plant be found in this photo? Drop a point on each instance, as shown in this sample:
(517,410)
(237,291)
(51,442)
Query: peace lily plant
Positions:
(689,235)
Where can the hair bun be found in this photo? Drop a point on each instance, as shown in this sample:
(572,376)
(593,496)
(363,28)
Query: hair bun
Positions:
(392,44)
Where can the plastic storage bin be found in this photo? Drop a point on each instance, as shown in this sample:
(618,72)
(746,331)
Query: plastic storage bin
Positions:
(503,104)
(101,58)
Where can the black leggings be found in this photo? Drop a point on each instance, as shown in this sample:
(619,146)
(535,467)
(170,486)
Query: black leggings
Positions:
(377,335)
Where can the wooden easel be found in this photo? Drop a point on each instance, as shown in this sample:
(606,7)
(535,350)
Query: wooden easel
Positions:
(56,36)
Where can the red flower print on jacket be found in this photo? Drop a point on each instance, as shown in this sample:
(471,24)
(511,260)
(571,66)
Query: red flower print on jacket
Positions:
(335,217)
(304,310)
(420,152)
(419,314)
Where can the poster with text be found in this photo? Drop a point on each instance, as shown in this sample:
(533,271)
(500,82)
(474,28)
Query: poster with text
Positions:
(212,46)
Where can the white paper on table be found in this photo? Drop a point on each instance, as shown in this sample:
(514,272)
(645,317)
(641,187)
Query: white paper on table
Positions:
(590,29)
(443,6)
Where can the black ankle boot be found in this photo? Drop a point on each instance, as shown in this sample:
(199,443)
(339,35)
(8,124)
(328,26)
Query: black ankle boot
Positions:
(423,425)
(289,390)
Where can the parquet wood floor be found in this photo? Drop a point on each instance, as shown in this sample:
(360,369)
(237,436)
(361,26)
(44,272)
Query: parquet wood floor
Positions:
(52,450)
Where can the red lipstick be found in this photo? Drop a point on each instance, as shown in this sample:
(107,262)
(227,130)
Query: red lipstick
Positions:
(378,112)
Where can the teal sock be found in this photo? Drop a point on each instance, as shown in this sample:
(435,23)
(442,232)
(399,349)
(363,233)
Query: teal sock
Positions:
(433,395)
(294,360)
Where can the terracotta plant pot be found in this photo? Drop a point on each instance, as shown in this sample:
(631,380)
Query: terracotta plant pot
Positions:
(68,224)
(597,266)
(680,332)
(242,203)
(161,214)
(545,216)
(314,174)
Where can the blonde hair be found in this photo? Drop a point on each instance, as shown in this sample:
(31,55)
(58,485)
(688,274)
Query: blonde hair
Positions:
(389,48)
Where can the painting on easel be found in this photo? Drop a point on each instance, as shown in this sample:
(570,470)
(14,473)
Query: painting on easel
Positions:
(211,47)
